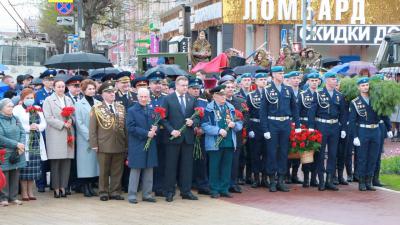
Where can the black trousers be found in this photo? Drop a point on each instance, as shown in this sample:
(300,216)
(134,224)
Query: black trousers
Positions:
(178,156)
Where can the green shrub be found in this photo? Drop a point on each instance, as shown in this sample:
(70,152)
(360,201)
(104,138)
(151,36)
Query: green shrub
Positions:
(391,165)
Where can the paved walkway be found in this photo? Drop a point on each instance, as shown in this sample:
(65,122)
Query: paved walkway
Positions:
(254,206)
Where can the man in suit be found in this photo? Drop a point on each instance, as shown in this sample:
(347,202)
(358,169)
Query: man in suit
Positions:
(107,137)
(179,107)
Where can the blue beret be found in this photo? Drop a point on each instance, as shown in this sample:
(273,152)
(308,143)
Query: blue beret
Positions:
(292,74)
(330,75)
(48,73)
(362,80)
(196,83)
(314,75)
(156,76)
(261,75)
(277,69)
(246,75)
(239,79)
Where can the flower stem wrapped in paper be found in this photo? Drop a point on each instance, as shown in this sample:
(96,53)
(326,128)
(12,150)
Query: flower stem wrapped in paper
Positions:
(159,114)
(198,112)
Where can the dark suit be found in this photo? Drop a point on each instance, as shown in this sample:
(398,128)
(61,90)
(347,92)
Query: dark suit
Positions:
(179,149)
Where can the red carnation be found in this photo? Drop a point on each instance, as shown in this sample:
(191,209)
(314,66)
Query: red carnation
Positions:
(200,111)
(238,115)
(294,144)
(160,111)
(244,133)
(302,145)
(67,111)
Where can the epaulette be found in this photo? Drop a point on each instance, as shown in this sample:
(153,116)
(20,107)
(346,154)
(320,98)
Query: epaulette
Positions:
(356,99)
(98,104)
(162,93)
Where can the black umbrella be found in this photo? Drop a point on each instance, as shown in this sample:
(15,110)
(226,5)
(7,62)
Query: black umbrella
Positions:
(168,70)
(247,69)
(104,70)
(326,62)
(78,61)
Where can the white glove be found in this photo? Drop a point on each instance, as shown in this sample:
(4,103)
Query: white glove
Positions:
(252,134)
(298,130)
(267,135)
(390,134)
(343,134)
(310,129)
(356,142)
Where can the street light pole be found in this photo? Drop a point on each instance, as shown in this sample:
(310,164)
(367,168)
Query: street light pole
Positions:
(80,23)
(304,17)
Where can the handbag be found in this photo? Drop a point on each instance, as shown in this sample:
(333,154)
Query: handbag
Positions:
(14,157)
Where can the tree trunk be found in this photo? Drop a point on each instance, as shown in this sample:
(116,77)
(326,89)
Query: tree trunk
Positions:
(88,46)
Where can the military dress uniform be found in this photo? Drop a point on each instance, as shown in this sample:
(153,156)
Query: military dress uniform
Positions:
(304,102)
(108,134)
(328,115)
(257,142)
(364,122)
(278,109)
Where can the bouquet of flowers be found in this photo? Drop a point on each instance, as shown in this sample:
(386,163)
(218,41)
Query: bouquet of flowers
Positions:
(34,136)
(2,177)
(67,113)
(238,117)
(306,142)
(198,112)
(197,154)
(159,114)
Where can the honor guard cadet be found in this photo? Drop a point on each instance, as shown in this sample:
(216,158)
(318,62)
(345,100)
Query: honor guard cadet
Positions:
(157,98)
(364,123)
(107,137)
(278,109)
(48,81)
(245,85)
(294,164)
(257,143)
(200,174)
(124,96)
(328,115)
(304,103)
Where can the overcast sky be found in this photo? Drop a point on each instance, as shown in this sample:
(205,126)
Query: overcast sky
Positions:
(25,8)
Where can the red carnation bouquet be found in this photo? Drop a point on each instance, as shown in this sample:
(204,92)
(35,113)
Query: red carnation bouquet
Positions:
(33,115)
(305,141)
(2,177)
(67,114)
(159,114)
(238,117)
(198,112)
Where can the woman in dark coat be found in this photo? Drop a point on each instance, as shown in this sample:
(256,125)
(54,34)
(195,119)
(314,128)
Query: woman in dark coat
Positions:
(139,123)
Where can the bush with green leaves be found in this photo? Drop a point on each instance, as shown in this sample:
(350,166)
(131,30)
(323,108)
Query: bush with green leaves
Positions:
(391,165)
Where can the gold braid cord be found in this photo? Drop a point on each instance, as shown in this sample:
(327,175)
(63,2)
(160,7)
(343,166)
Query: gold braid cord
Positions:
(105,121)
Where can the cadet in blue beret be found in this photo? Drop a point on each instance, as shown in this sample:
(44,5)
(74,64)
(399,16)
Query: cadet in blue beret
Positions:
(277,69)
(314,75)
(378,77)
(245,84)
(292,74)
(364,123)
(330,75)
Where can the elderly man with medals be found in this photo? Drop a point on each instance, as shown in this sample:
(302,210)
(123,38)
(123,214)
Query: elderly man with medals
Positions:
(328,115)
(305,101)
(364,123)
(107,136)
(278,109)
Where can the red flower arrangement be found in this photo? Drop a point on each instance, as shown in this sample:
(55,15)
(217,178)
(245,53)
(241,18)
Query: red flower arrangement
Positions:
(159,114)
(33,109)
(33,113)
(198,112)
(245,108)
(67,112)
(305,141)
(238,117)
(2,177)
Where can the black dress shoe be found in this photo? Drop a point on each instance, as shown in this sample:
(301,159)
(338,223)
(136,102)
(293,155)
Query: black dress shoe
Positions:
(133,201)
(159,194)
(203,192)
(117,197)
(104,198)
(56,195)
(214,195)
(92,191)
(151,199)
(235,189)
(41,189)
(189,196)
(241,181)
(226,195)
(169,197)
(86,191)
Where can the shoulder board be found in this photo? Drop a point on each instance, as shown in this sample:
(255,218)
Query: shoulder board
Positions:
(98,104)
(302,92)
(163,94)
(268,85)
(252,92)
(356,99)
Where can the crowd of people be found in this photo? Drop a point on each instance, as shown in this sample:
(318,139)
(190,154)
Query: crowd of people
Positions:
(106,134)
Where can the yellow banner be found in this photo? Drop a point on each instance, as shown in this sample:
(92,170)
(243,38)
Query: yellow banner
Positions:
(325,11)
(62,1)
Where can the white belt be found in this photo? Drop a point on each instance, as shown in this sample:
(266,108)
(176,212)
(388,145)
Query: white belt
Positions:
(304,118)
(278,118)
(331,121)
(255,120)
(369,126)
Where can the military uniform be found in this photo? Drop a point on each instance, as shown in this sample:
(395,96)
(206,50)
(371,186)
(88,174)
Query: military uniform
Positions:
(278,109)
(108,134)
(328,115)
